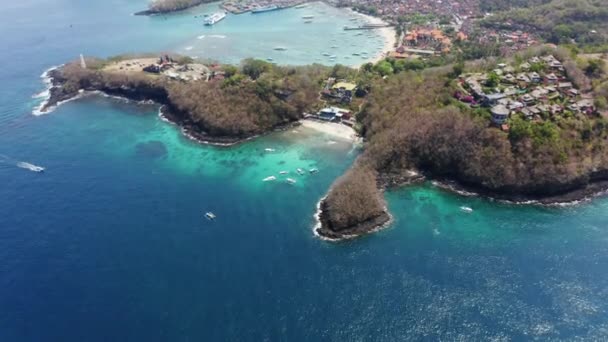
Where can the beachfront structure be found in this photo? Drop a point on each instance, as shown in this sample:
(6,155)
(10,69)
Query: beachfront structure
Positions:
(333,114)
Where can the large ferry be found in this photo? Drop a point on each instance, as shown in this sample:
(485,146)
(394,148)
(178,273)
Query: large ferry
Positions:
(265,9)
(214,18)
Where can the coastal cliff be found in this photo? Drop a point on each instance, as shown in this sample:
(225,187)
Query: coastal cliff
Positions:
(222,109)
(415,125)
(353,207)
(415,121)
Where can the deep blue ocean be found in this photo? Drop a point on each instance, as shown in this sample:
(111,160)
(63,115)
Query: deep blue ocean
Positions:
(110,243)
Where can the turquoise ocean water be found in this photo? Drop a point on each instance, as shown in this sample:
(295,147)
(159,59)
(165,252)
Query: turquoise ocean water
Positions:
(110,243)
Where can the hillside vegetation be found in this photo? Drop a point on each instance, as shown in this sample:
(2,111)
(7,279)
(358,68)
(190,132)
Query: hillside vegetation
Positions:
(412,122)
(580,22)
(250,100)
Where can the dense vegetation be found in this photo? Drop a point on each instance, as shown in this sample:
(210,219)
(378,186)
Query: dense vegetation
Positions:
(501,5)
(411,121)
(354,199)
(251,99)
(580,22)
(163,6)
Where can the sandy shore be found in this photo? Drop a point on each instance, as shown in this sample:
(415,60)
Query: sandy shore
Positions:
(388,34)
(331,128)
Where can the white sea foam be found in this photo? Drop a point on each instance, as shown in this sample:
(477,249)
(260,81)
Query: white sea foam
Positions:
(221,36)
(202,36)
(46,93)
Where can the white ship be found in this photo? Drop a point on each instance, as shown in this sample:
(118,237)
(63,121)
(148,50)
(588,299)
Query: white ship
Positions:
(214,18)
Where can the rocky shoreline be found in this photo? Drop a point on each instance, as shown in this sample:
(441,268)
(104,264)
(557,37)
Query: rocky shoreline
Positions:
(596,187)
(59,95)
(324,228)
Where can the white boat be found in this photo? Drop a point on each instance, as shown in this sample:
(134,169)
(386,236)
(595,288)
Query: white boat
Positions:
(466,209)
(268,179)
(290,181)
(269,149)
(31,167)
(214,18)
(313,170)
(269,59)
(210,216)
(280,48)
(301,6)
(333,57)
(326,54)
(284,172)
(300,171)
(308,17)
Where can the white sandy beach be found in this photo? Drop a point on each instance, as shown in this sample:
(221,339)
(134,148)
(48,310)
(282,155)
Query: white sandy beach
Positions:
(388,34)
(331,128)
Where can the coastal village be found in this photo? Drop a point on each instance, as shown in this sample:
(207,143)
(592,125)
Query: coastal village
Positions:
(537,89)
(424,29)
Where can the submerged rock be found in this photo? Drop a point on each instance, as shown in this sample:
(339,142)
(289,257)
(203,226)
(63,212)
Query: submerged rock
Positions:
(151,149)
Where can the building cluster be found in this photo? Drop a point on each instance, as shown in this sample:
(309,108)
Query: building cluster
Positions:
(338,91)
(167,66)
(538,88)
(243,6)
(508,40)
(425,42)
(391,9)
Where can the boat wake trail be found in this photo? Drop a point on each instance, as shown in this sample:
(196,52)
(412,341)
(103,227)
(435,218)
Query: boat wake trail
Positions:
(29,166)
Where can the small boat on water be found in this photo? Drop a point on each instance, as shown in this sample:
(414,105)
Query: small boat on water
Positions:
(300,171)
(283,172)
(210,216)
(325,54)
(290,181)
(214,18)
(313,170)
(356,54)
(269,179)
(307,21)
(308,17)
(301,6)
(269,149)
(467,210)
(269,59)
(280,48)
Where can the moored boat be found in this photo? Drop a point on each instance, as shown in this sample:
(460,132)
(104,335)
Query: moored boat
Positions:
(214,18)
